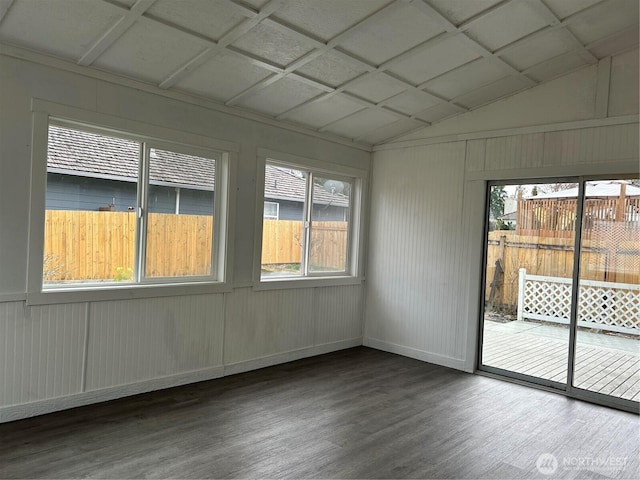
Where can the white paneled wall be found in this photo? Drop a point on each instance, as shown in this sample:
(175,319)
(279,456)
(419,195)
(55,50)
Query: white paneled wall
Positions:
(337,311)
(60,356)
(283,324)
(592,145)
(524,150)
(426,229)
(41,351)
(415,248)
(135,340)
(268,322)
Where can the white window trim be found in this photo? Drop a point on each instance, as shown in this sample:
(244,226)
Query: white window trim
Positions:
(270,217)
(356,248)
(224,207)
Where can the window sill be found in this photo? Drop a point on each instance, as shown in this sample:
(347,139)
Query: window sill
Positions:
(125,292)
(305,282)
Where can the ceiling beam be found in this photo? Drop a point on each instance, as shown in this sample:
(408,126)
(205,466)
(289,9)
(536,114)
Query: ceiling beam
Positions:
(5,5)
(116,31)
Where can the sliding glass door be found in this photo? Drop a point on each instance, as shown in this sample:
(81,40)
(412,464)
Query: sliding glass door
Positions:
(551,317)
(607,351)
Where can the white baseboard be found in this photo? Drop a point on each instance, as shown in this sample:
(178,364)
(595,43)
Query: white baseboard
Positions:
(456,363)
(262,362)
(40,407)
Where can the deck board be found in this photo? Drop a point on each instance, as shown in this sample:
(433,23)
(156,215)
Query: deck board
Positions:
(604,363)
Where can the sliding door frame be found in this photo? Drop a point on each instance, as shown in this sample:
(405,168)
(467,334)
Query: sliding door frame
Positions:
(567,389)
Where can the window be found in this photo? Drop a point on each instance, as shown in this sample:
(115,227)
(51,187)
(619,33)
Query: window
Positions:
(312,234)
(271,210)
(125,209)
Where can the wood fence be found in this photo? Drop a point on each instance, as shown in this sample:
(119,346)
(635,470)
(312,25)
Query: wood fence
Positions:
(601,260)
(554,217)
(100,246)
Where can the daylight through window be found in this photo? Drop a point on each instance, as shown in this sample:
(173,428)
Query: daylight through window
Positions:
(310,236)
(122,209)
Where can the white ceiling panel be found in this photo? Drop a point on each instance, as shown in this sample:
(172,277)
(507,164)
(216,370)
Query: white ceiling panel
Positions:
(468,77)
(540,48)
(138,51)
(362,122)
(274,45)
(391,35)
(507,24)
(280,96)
(65,28)
(459,11)
(327,18)
(332,69)
(322,112)
(377,87)
(491,92)
(438,112)
(223,77)
(211,19)
(411,102)
(556,66)
(433,61)
(604,20)
(564,8)
(392,130)
(616,43)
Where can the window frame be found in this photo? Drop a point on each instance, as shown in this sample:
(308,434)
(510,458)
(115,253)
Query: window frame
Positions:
(149,136)
(354,272)
(277,217)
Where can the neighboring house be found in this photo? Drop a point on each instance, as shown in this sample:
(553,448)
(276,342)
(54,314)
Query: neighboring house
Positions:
(83,177)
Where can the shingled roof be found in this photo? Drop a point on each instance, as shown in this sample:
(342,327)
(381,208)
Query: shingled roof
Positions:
(78,152)
(81,153)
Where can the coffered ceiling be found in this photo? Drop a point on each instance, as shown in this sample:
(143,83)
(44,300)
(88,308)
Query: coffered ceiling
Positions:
(365,70)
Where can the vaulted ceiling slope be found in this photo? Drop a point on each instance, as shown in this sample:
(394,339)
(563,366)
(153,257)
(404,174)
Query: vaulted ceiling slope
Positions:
(365,70)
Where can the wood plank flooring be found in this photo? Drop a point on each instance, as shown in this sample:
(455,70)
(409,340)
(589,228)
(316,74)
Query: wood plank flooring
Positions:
(604,363)
(358,413)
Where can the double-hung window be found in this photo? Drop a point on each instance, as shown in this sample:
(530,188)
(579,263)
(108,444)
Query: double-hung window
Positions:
(315,233)
(123,209)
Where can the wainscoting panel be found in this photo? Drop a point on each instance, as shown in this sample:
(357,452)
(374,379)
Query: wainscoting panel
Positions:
(41,351)
(264,323)
(136,340)
(338,313)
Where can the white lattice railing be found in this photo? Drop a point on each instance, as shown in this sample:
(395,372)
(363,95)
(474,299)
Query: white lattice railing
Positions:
(602,305)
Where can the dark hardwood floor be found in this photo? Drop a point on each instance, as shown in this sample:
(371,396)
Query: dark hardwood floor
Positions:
(358,413)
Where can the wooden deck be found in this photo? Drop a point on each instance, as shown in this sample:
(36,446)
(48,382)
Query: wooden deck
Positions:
(607,364)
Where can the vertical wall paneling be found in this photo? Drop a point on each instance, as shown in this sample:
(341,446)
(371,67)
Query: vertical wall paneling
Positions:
(517,151)
(591,145)
(338,313)
(136,340)
(476,150)
(413,284)
(41,350)
(264,323)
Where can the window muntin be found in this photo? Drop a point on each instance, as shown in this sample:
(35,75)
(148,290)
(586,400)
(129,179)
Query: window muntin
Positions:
(122,209)
(271,210)
(312,236)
